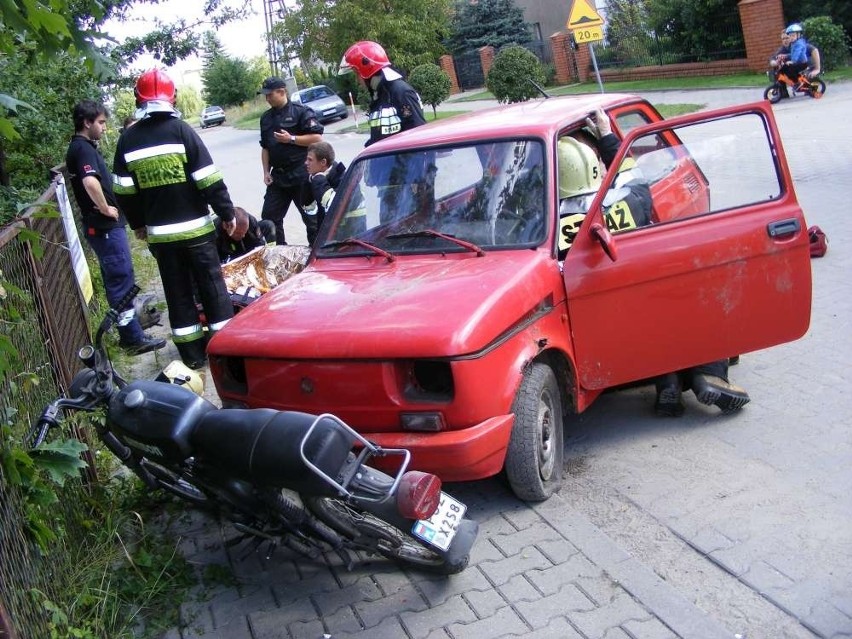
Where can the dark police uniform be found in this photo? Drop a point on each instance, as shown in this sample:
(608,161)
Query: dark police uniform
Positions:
(287,162)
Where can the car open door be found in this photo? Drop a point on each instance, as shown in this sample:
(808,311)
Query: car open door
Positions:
(704,283)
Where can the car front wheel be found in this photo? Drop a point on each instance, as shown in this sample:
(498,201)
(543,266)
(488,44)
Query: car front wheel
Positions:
(534,457)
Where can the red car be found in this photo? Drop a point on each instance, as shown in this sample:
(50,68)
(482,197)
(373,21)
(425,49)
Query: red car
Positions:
(435,313)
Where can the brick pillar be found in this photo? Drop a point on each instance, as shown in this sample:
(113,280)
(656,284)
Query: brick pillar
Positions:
(447,66)
(560,43)
(762,21)
(486,59)
(583,59)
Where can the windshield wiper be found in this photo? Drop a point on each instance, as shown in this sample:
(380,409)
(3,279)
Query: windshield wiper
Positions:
(431,233)
(390,257)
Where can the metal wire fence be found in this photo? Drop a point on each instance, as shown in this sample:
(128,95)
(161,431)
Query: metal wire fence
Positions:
(43,320)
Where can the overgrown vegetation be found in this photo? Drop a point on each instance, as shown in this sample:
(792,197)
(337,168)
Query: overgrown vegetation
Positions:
(831,40)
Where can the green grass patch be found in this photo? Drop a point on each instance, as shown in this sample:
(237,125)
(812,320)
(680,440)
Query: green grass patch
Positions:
(364,125)
(674,110)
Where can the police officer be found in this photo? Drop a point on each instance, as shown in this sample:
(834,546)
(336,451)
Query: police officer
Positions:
(395,105)
(287,129)
(103,223)
(165,179)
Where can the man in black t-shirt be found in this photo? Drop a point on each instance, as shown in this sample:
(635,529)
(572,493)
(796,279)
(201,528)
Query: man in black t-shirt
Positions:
(287,130)
(103,224)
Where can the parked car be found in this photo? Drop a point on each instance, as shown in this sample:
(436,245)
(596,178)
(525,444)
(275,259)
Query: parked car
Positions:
(212,116)
(438,313)
(325,102)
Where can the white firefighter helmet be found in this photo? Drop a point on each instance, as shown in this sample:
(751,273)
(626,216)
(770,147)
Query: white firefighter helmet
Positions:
(579,168)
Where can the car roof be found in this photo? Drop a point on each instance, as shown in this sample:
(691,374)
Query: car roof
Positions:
(539,118)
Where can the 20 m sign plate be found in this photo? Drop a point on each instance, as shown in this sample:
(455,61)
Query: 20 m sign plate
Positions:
(588,34)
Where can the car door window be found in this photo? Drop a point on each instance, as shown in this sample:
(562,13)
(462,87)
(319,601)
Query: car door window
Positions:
(714,166)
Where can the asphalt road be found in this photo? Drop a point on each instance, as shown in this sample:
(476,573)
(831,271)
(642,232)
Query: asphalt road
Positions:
(742,521)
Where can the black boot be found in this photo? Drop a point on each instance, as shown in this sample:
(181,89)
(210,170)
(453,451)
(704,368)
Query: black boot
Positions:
(712,390)
(669,402)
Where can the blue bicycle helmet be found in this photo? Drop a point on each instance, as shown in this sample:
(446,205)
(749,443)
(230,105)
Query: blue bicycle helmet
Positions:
(794,28)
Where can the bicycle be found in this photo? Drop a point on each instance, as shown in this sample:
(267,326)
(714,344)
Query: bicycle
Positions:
(779,89)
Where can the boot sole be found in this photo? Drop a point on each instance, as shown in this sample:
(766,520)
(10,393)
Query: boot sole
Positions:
(668,403)
(727,401)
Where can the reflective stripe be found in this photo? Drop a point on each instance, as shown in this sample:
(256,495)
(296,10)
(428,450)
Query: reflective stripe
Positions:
(203,172)
(154,151)
(126,317)
(123,185)
(218,325)
(180,230)
(326,198)
(206,176)
(186,334)
(356,213)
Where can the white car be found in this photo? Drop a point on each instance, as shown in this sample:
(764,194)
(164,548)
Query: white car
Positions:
(211,116)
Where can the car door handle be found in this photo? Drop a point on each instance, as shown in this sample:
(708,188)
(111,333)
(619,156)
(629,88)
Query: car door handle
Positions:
(783,227)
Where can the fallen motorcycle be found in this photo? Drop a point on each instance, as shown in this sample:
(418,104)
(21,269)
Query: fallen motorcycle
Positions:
(279,477)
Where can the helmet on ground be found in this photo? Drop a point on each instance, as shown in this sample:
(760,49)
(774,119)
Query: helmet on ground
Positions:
(579,169)
(155,85)
(366,58)
(182,375)
(794,28)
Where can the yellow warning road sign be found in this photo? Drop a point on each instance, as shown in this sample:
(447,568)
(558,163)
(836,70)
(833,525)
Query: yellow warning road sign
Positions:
(583,16)
(590,34)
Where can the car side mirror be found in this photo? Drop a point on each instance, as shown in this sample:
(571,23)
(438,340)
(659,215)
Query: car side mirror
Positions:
(602,235)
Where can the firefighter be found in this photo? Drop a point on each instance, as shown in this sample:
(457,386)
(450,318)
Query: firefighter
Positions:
(394,104)
(165,180)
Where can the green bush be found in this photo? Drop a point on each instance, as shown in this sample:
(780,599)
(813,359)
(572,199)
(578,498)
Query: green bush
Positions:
(432,83)
(510,75)
(831,40)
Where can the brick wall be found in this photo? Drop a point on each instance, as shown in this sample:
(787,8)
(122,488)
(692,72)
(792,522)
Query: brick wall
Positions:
(685,69)
(447,66)
(762,22)
(486,58)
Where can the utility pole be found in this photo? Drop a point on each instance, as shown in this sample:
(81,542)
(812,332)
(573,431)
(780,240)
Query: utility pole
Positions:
(275,11)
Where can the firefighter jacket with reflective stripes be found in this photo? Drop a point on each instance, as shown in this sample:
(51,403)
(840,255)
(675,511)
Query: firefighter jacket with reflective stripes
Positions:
(396,107)
(164,179)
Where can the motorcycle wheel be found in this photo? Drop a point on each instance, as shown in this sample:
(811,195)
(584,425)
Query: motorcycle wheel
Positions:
(772,93)
(818,89)
(370,533)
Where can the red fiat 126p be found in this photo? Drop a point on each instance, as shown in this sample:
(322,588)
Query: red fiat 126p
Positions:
(441,312)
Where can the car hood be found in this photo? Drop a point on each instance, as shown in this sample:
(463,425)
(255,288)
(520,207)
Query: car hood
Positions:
(434,306)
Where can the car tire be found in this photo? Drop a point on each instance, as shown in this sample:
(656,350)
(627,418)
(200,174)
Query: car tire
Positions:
(534,457)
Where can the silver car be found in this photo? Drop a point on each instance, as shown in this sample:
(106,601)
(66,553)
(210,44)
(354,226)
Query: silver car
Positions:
(325,102)
(211,116)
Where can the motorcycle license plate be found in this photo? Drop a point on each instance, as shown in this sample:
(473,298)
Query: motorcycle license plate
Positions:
(442,526)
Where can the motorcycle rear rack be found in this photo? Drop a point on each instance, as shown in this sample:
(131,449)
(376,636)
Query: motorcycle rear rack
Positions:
(367,451)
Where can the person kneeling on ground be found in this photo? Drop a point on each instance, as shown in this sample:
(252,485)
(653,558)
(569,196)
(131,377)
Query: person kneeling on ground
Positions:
(324,174)
(247,236)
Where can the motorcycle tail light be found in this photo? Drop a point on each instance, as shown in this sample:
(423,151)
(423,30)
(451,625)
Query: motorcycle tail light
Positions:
(418,495)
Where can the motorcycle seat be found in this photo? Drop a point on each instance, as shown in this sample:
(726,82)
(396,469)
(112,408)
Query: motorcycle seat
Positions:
(262,445)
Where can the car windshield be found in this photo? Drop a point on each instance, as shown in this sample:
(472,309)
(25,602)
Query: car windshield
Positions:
(465,198)
(317,93)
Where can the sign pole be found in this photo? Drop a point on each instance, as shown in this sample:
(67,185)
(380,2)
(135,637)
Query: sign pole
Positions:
(595,65)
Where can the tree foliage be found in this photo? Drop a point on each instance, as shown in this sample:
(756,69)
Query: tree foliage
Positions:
(831,40)
(840,12)
(698,29)
(411,31)
(510,75)
(432,83)
(228,82)
(487,22)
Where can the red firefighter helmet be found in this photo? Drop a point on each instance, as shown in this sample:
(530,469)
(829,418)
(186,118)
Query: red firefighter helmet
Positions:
(154,84)
(366,58)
